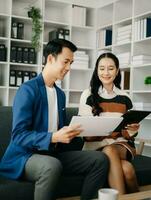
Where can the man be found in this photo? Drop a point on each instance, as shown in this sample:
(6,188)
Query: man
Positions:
(34,152)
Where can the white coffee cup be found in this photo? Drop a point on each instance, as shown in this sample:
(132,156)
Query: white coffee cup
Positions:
(108,194)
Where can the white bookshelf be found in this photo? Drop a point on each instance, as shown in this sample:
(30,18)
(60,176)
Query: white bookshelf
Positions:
(55,14)
(119,14)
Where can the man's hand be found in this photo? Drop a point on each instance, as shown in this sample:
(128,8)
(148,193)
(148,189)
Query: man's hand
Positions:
(66,134)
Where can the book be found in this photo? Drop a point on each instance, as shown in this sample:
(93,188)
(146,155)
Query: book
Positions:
(131,117)
(108,37)
(148,27)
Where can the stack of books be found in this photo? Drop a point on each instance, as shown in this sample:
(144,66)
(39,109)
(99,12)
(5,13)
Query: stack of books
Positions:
(78,15)
(124,59)
(124,34)
(142,28)
(141,59)
(81,60)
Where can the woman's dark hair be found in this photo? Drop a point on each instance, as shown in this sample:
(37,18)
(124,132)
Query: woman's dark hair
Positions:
(55,47)
(95,82)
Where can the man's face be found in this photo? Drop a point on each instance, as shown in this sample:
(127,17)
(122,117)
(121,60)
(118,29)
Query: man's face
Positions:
(61,64)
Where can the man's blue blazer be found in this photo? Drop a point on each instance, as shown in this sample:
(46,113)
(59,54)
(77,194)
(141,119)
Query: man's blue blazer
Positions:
(30,126)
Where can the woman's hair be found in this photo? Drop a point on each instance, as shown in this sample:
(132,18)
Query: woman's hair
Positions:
(95,82)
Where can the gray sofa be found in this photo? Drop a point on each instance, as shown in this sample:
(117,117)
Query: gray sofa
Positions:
(68,185)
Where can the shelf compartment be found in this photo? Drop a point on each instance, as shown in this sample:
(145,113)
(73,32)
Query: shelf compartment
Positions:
(57,11)
(105,15)
(138,78)
(123,10)
(83,37)
(4,24)
(141,96)
(3,74)
(20,8)
(74,98)
(5,7)
(49,26)
(141,7)
(27,29)
(79,79)
(142,47)
(4,96)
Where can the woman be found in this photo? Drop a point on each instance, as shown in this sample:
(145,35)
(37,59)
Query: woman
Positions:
(105,98)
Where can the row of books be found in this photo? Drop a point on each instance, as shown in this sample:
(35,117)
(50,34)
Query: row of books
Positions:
(61,33)
(78,15)
(125,80)
(17,30)
(17,77)
(141,59)
(23,55)
(104,38)
(124,34)
(142,28)
(3,52)
(81,60)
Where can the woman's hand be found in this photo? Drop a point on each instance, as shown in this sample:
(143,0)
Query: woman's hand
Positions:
(133,127)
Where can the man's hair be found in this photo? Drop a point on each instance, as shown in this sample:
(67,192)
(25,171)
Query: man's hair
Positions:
(55,47)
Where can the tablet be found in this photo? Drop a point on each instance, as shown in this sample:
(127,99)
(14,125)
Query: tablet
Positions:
(132,116)
(96,125)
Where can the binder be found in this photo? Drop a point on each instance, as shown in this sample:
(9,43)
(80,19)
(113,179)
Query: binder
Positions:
(14,30)
(2,52)
(26,76)
(19,55)
(33,74)
(20,30)
(31,56)
(108,37)
(25,55)
(12,78)
(19,78)
(13,54)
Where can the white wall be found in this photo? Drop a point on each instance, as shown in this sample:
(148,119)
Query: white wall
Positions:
(100,3)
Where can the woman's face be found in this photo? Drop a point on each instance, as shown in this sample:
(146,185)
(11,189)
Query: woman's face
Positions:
(107,71)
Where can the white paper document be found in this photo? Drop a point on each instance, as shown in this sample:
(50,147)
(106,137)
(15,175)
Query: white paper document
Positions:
(96,126)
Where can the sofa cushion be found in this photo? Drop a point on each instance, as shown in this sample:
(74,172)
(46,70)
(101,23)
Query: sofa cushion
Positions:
(142,166)
(16,190)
